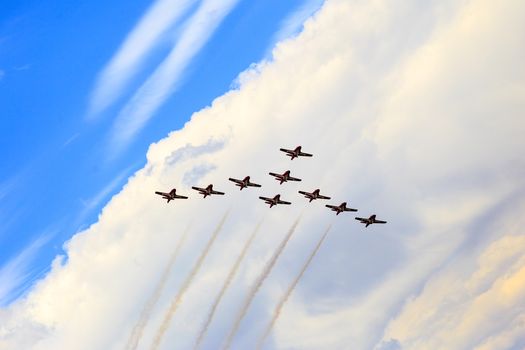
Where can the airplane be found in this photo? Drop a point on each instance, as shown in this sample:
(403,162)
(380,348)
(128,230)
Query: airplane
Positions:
(171,195)
(207,191)
(295,153)
(339,208)
(274,201)
(314,195)
(284,177)
(244,183)
(371,220)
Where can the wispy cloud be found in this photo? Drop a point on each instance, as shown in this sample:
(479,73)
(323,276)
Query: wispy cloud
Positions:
(71,139)
(150,96)
(161,16)
(16,272)
(97,199)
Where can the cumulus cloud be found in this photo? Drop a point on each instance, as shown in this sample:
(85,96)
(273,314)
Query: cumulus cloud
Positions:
(412,112)
(293,24)
(476,302)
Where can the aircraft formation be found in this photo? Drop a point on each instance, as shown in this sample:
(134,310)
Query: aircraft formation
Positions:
(276,200)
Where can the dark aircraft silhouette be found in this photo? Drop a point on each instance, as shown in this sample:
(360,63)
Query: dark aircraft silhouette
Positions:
(371,220)
(339,208)
(274,201)
(207,191)
(244,183)
(284,177)
(294,153)
(171,195)
(314,195)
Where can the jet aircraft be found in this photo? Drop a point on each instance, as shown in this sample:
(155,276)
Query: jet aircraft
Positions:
(314,195)
(244,183)
(274,201)
(284,177)
(339,208)
(295,152)
(171,195)
(371,220)
(207,191)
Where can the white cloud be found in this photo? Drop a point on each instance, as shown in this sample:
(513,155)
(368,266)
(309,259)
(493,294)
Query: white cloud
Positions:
(150,96)
(412,112)
(293,24)
(146,35)
(458,307)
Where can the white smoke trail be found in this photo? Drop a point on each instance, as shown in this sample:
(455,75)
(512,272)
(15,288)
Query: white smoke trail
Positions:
(225,286)
(138,330)
(290,289)
(176,301)
(258,282)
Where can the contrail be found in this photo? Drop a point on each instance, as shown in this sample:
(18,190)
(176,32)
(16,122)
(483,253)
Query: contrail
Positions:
(255,287)
(225,286)
(136,334)
(176,301)
(290,289)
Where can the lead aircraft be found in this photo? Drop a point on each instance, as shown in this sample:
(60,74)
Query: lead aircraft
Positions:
(371,220)
(339,208)
(170,195)
(207,191)
(284,177)
(274,201)
(314,195)
(295,153)
(244,183)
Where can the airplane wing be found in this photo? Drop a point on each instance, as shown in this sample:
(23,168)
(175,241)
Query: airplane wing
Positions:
(331,206)
(217,192)
(162,193)
(323,197)
(235,180)
(181,197)
(379,222)
(253,185)
(289,151)
(283,202)
(276,175)
(266,198)
(305,154)
(293,179)
(350,209)
(199,189)
(305,193)
(361,219)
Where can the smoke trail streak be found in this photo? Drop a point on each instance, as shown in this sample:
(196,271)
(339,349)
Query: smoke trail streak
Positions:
(187,282)
(258,283)
(290,289)
(225,286)
(138,330)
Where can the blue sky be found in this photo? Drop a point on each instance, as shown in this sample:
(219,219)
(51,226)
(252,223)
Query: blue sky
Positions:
(56,172)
